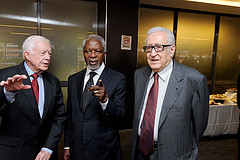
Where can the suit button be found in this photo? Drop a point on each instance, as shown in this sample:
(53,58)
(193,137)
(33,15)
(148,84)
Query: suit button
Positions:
(36,142)
(84,120)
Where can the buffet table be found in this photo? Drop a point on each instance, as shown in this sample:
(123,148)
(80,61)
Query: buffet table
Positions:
(223,119)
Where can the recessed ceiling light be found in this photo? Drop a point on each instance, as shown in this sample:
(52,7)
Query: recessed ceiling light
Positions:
(233,3)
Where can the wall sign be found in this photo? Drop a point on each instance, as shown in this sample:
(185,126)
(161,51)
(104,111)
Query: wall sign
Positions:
(126,42)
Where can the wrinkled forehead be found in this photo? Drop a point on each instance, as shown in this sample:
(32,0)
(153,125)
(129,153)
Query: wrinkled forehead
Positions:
(157,38)
(41,45)
(93,42)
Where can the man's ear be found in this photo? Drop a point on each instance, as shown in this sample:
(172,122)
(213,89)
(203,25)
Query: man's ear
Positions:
(173,48)
(27,55)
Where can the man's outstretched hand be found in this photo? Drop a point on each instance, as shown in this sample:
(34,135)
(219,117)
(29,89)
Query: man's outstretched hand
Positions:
(14,83)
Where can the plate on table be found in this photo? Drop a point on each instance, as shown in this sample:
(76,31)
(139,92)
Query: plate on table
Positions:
(219,100)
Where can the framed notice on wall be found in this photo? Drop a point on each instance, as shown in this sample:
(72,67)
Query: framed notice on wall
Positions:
(126,42)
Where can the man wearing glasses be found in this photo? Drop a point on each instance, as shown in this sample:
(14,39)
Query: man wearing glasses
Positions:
(95,106)
(171,103)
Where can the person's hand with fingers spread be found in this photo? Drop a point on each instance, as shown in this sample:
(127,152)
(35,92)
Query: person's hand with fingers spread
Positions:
(99,91)
(14,83)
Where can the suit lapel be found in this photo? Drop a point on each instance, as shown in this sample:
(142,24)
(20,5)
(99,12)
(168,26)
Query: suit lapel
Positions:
(105,76)
(173,90)
(28,93)
(47,94)
(144,79)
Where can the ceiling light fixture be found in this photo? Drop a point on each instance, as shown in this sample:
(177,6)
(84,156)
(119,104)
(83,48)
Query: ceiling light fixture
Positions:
(32,19)
(233,3)
(15,26)
(20,33)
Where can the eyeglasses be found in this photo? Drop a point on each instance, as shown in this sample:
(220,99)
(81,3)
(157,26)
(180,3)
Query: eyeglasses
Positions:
(97,52)
(157,48)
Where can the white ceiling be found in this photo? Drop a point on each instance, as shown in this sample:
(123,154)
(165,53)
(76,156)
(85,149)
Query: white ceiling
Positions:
(183,4)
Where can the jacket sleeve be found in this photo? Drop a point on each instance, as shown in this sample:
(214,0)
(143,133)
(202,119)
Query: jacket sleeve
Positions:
(58,120)
(115,106)
(200,108)
(69,117)
(3,101)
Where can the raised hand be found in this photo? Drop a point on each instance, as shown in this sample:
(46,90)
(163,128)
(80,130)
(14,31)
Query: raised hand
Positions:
(99,91)
(15,83)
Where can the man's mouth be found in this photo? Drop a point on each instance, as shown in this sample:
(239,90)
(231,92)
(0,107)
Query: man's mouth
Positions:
(45,64)
(92,62)
(154,60)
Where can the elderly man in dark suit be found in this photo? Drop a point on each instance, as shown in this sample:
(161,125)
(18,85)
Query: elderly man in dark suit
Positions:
(31,106)
(95,106)
(171,103)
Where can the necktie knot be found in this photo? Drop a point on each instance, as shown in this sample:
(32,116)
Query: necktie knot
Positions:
(155,76)
(35,75)
(92,74)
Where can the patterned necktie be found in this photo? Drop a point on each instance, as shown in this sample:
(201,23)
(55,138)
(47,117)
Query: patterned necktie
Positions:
(35,86)
(86,94)
(146,142)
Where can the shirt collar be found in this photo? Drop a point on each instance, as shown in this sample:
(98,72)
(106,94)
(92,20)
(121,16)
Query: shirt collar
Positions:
(163,74)
(29,71)
(98,71)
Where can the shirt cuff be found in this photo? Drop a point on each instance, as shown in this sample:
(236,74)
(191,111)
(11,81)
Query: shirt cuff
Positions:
(66,148)
(47,150)
(9,95)
(104,105)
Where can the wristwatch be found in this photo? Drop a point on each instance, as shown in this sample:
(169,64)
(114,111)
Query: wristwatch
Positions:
(105,99)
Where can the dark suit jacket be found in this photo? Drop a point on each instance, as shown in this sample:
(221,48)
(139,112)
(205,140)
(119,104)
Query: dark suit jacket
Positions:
(23,133)
(238,91)
(93,134)
(184,114)
(238,102)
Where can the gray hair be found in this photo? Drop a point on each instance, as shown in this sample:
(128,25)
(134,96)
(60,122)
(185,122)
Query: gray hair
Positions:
(95,37)
(171,37)
(28,44)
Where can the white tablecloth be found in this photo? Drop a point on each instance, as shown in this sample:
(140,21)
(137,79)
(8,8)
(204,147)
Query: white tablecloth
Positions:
(223,119)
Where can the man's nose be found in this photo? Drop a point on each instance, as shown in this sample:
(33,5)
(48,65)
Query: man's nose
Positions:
(153,52)
(48,56)
(93,54)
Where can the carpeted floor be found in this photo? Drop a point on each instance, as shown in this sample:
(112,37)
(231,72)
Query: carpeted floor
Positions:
(210,148)
(218,148)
